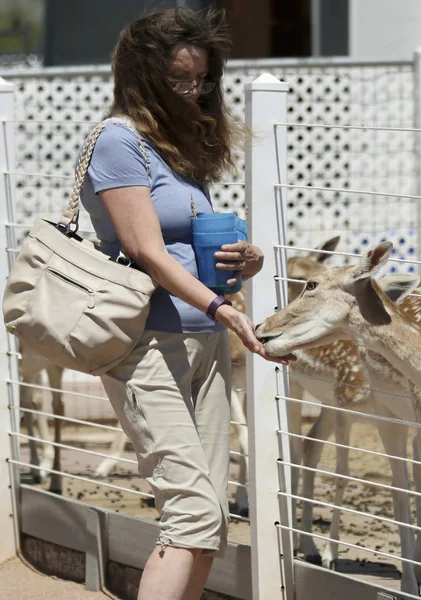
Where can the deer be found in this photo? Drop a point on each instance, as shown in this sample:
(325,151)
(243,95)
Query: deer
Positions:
(31,365)
(346,303)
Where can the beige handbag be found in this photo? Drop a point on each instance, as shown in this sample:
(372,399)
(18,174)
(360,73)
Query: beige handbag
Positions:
(66,299)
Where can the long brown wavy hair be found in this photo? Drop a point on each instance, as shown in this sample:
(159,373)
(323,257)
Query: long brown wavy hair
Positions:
(194,138)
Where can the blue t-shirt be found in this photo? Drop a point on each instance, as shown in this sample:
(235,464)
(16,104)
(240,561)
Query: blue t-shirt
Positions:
(118,161)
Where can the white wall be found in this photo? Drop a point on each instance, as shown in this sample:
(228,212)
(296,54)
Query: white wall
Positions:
(384,28)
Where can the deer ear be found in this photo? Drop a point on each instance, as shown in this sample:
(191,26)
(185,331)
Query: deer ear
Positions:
(397,287)
(372,260)
(328,245)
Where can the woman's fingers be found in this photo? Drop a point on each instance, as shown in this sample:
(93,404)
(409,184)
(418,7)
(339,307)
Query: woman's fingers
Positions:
(229,256)
(240,247)
(234,280)
(235,266)
(283,360)
(233,252)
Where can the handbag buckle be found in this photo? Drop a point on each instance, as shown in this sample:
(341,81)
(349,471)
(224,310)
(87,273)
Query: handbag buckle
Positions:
(67,229)
(123,260)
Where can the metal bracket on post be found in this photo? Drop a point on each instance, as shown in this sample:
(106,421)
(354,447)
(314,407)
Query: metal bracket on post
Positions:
(96,550)
(272,576)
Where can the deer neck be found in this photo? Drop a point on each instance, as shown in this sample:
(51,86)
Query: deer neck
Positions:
(398,341)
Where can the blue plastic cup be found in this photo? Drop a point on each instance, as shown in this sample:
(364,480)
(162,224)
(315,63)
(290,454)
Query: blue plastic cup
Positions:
(213,222)
(210,232)
(206,244)
(242,228)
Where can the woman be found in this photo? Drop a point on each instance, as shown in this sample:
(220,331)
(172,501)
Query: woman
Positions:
(171,394)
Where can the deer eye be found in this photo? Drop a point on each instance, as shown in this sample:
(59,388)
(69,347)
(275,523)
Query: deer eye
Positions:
(311,285)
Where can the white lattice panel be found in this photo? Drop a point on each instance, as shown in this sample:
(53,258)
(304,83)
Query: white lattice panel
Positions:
(380,95)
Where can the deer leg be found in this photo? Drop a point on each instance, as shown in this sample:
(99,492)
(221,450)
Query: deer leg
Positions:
(26,401)
(55,379)
(47,452)
(296,449)
(416,470)
(394,438)
(322,429)
(107,465)
(342,435)
(238,415)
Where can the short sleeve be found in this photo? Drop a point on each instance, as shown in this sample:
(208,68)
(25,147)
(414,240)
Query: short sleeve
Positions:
(117,160)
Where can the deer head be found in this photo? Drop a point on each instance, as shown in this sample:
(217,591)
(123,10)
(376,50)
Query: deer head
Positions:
(301,268)
(339,303)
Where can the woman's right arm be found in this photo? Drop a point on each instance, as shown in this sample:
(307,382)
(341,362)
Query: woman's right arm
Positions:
(136,223)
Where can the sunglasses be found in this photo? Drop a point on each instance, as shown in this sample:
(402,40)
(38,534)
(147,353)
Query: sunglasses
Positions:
(186,87)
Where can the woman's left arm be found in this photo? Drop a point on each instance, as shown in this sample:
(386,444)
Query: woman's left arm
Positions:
(243,257)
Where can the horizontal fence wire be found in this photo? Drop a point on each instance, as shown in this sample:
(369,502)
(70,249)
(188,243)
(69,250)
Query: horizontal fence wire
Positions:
(99,482)
(89,423)
(30,225)
(360,127)
(319,188)
(346,447)
(349,545)
(350,510)
(79,477)
(383,486)
(39,174)
(101,454)
(337,253)
(351,411)
(353,386)
(64,418)
(59,390)
(48,122)
(304,281)
(75,448)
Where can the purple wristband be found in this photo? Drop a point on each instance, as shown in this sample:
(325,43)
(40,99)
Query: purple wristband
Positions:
(214,305)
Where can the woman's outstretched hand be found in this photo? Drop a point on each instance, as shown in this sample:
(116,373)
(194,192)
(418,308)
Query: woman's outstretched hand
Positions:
(244,327)
(281,360)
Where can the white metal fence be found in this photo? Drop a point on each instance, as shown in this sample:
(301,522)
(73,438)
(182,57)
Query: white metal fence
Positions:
(337,154)
(389,408)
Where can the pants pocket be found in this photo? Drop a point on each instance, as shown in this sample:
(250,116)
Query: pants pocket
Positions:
(143,440)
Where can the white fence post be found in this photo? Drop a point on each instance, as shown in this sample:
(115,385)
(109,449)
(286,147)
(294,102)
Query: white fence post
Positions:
(266,100)
(417,125)
(8,516)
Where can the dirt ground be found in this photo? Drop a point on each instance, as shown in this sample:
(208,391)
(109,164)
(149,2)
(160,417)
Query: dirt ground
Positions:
(19,581)
(360,530)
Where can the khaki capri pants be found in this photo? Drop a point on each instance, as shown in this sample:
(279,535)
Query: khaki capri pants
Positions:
(172,397)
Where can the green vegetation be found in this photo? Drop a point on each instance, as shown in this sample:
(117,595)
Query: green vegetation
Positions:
(18,36)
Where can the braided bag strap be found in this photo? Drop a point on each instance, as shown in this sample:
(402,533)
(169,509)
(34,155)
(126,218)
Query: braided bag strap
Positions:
(71,212)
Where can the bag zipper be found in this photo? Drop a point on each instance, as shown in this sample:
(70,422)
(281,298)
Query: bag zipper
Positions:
(81,286)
